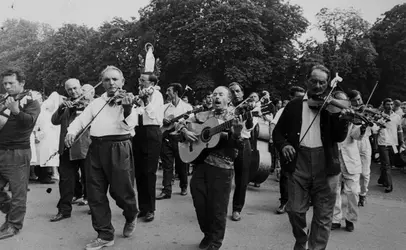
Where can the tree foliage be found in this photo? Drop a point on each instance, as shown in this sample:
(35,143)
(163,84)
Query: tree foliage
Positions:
(389,38)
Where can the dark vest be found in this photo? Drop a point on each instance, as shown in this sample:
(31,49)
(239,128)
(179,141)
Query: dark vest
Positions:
(287,132)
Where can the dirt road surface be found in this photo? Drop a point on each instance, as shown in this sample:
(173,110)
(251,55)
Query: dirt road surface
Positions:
(382,223)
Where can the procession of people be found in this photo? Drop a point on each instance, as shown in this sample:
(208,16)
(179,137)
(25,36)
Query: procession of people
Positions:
(113,143)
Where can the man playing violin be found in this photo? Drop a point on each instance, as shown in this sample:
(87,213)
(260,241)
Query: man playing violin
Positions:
(73,159)
(170,152)
(109,162)
(15,152)
(211,182)
(365,149)
(307,141)
(243,161)
(147,143)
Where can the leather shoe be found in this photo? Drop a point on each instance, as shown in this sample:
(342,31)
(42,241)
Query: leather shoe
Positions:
(281,209)
(389,189)
(335,226)
(59,217)
(129,228)
(8,232)
(349,226)
(213,247)
(149,216)
(141,214)
(183,192)
(163,196)
(236,216)
(205,242)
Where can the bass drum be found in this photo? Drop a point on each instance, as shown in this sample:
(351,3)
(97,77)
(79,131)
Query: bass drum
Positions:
(261,158)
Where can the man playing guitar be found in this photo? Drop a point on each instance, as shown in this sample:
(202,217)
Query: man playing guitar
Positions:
(211,181)
(170,153)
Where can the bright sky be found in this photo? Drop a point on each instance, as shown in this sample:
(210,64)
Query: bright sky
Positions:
(95,12)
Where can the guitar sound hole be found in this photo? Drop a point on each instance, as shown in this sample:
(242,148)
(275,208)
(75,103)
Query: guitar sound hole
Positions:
(205,135)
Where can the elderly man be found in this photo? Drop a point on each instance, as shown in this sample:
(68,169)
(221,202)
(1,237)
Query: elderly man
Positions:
(109,161)
(211,181)
(73,159)
(307,141)
(17,122)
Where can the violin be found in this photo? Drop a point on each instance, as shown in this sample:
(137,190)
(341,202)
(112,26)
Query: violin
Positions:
(18,97)
(374,114)
(335,103)
(144,93)
(3,109)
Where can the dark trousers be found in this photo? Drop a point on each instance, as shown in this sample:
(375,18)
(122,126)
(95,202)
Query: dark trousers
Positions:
(386,154)
(147,148)
(242,175)
(68,171)
(169,157)
(210,187)
(15,170)
(309,182)
(283,187)
(109,165)
(80,183)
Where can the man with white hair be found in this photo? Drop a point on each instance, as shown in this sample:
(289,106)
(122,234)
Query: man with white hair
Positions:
(72,159)
(110,162)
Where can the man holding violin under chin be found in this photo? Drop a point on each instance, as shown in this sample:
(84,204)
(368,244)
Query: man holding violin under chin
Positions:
(109,162)
(307,140)
(73,159)
(17,121)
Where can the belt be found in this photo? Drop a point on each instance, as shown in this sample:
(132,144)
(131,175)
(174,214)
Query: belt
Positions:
(110,138)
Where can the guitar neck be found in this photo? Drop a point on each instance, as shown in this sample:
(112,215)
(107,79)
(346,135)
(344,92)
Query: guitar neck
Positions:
(226,125)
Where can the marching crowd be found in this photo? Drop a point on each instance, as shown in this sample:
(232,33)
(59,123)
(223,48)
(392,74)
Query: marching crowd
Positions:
(115,142)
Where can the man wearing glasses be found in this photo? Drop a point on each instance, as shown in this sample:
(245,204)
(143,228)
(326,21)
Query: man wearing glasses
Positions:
(147,143)
(310,160)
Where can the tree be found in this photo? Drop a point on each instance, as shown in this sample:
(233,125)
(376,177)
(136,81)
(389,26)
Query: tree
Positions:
(20,44)
(347,50)
(205,43)
(388,35)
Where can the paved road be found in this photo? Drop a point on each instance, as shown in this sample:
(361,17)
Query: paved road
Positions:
(382,223)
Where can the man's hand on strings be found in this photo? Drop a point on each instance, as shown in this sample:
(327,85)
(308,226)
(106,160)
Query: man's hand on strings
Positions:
(67,104)
(238,125)
(189,135)
(12,105)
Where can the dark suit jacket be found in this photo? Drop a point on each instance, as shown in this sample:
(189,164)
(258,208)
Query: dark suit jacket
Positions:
(287,132)
(79,149)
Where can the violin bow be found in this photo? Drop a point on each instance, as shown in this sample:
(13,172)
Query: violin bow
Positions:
(82,132)
(333,85)
(373,91)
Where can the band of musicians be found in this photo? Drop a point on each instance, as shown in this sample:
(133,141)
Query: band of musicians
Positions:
(320,142)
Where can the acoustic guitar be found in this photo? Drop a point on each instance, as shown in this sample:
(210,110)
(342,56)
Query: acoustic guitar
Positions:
(171,125)
(208,135)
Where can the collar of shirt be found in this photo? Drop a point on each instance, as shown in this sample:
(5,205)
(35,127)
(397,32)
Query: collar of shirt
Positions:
(305,97)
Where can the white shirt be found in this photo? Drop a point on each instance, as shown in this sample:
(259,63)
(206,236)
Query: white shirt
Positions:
(389,136)
(245,132)
(153,113)
(313,136)
(110,121)
(171,111)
